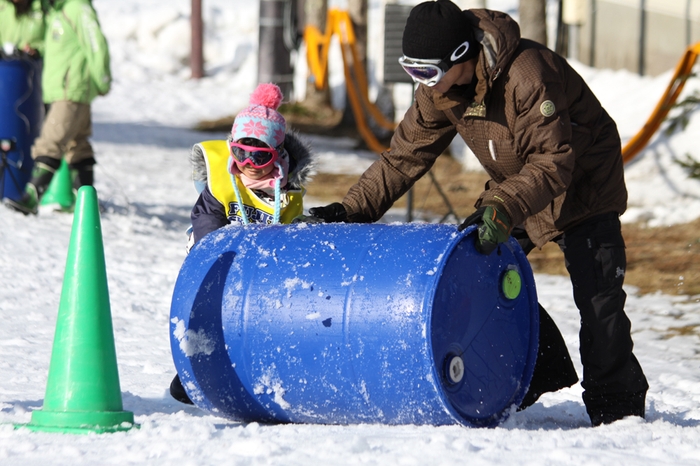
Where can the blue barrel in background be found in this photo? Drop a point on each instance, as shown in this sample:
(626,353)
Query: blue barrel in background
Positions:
(350,323)
(21,115)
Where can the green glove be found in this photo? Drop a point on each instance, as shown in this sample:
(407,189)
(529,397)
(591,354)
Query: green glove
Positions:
(494,230)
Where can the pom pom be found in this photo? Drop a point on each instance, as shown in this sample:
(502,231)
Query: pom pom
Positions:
(268,95)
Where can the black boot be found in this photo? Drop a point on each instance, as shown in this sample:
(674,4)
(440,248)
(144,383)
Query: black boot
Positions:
(82,173)
(606,408)
(554,369)
(178,392)
(42,173)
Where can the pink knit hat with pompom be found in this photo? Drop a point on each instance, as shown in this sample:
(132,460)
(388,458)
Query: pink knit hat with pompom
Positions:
(261,120)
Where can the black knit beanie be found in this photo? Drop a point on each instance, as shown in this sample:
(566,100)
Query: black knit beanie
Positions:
(435,29)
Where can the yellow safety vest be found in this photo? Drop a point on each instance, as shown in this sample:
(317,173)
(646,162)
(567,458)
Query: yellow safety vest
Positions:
(257,210)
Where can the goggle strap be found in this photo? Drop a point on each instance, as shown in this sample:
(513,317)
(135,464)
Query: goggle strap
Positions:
(241,208)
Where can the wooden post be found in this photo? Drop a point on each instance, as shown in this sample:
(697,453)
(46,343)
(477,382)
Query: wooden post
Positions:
(196,53)
(533,20)
(274,59)
(315,12)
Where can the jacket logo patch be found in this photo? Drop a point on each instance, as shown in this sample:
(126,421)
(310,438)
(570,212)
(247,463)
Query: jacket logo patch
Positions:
(475,110)
(547,108)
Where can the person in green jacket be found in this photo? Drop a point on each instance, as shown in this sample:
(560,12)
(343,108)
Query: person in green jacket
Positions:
(22,25)
(76,70)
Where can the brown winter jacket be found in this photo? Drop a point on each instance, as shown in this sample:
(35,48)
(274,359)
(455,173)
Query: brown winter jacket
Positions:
(551,150)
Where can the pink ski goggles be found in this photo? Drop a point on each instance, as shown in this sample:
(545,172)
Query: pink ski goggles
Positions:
(256,157)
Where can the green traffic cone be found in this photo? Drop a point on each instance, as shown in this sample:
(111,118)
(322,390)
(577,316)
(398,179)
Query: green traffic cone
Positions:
(60,189)
(82,391)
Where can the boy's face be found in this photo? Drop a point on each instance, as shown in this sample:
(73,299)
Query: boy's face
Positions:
(458,75)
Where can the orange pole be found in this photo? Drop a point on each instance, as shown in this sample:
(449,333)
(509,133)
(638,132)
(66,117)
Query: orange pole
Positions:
(317,45)
(665,104)
(346,33)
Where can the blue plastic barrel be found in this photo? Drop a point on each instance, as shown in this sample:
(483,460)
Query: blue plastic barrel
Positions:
(21,115)
(349,323)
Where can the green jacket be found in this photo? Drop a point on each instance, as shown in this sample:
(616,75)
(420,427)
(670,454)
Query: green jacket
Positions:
(28,29)
(76,59)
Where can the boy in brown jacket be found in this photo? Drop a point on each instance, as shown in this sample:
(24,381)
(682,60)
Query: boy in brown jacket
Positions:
(554,158)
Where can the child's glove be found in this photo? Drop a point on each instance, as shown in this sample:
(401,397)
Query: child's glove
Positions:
(331,213)
(307,219)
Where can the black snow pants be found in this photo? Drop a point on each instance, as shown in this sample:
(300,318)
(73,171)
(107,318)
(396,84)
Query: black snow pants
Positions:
(613,380)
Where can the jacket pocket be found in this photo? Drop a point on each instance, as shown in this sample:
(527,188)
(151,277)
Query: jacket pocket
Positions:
(504,154)
(493,145)
(501,149)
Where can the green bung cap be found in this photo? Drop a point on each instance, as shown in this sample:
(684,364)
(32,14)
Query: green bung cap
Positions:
(512,284)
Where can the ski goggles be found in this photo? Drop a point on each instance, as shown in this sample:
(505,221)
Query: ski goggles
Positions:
(427,72)
(256,157)
(431,71)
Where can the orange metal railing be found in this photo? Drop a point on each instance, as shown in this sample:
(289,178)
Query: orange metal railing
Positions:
(338,23)
(680,76)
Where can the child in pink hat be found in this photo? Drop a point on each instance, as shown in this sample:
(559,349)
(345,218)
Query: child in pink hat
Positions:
(255,176)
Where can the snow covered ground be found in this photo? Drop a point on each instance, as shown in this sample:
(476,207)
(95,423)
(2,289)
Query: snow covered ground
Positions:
(143,180)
